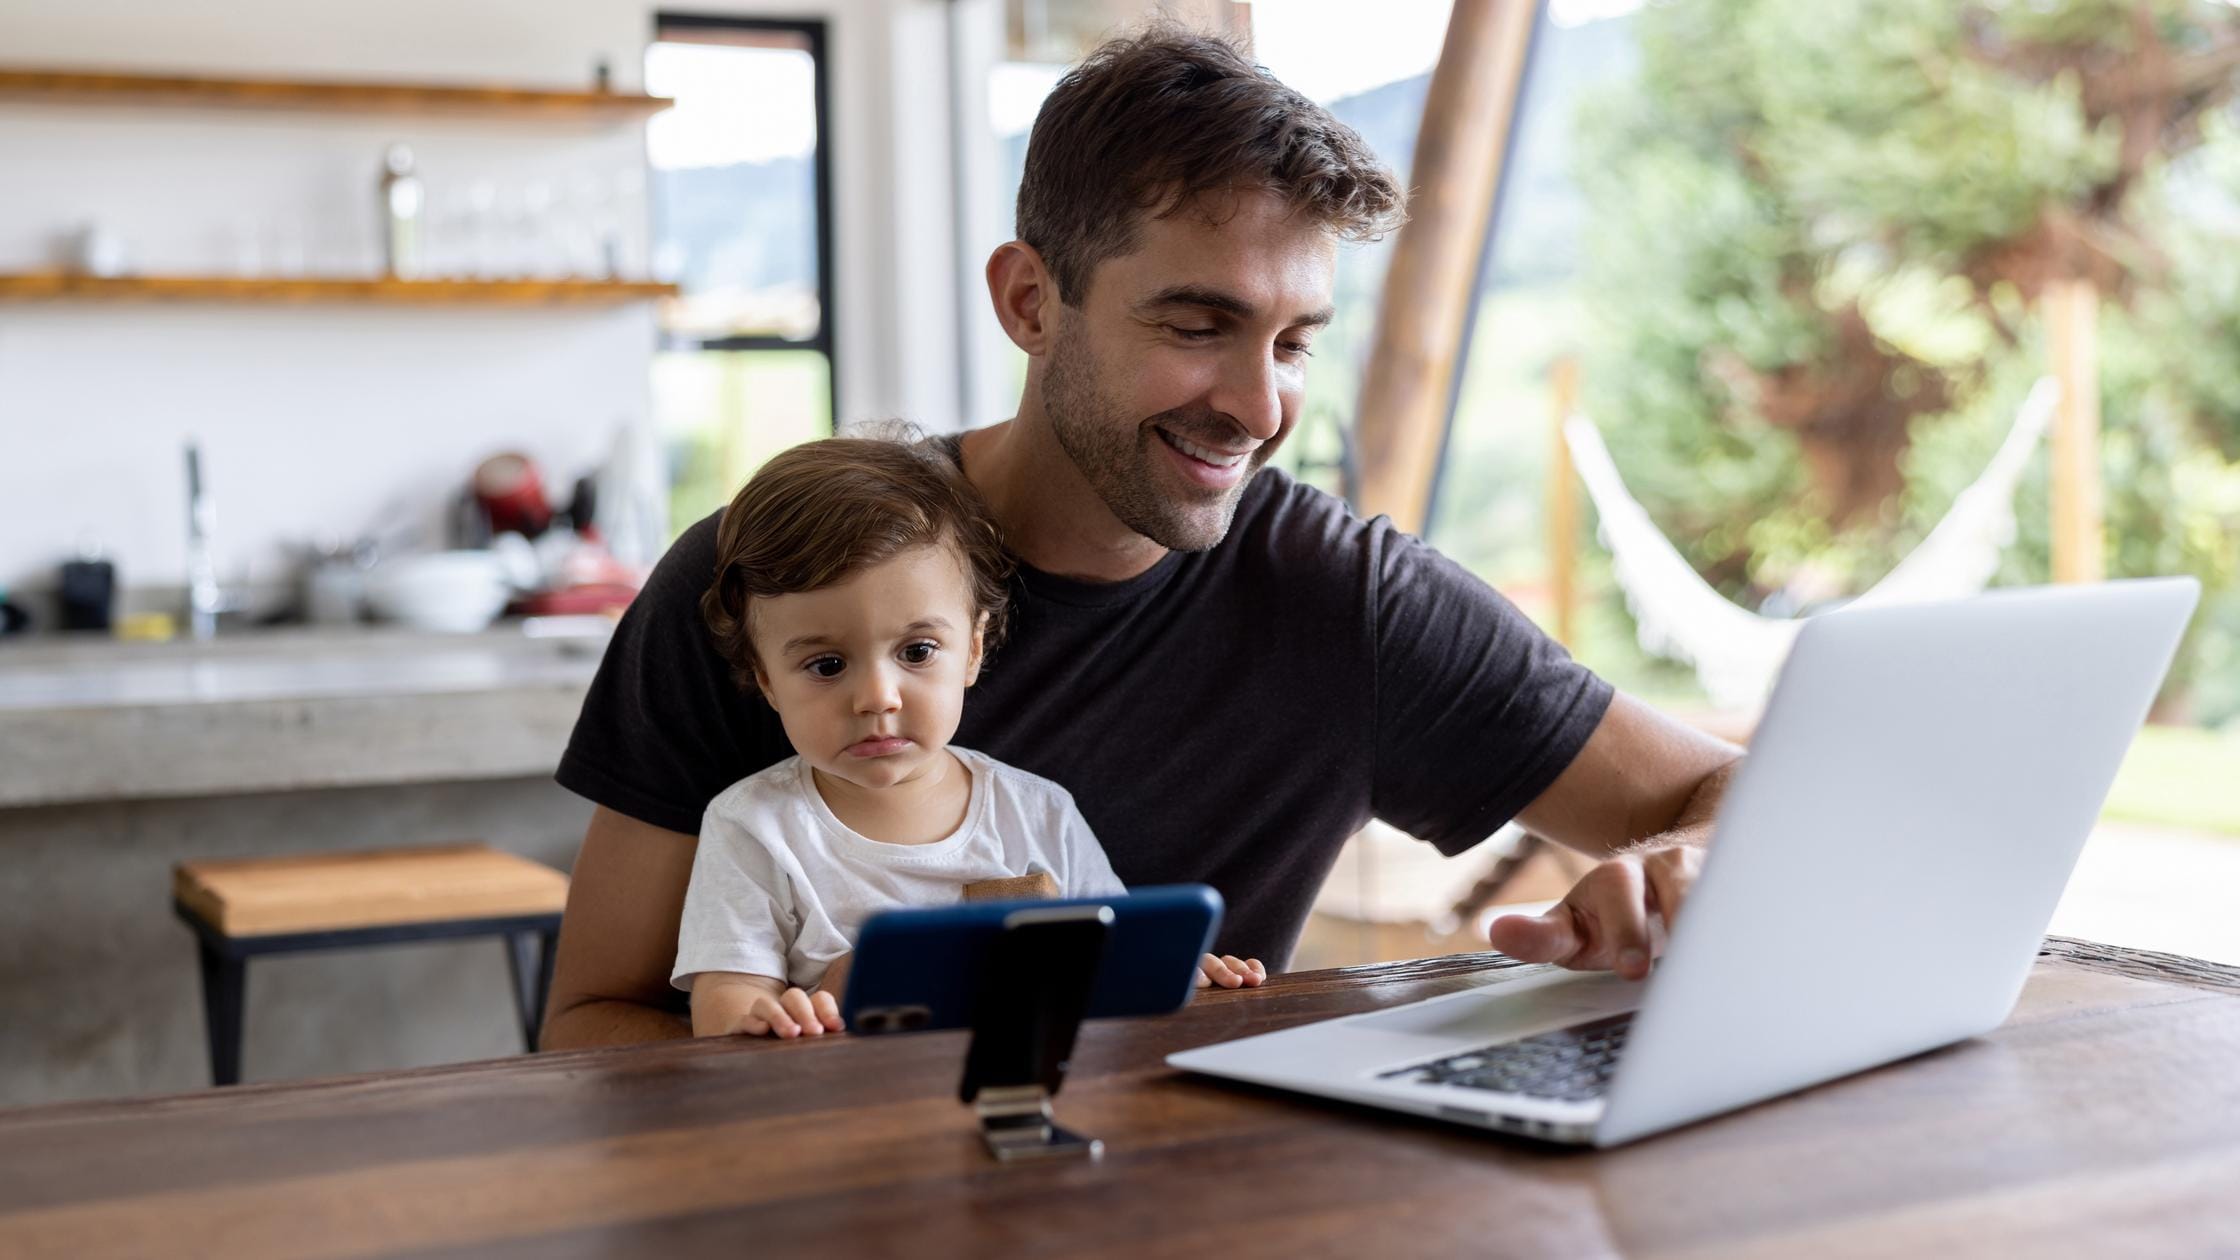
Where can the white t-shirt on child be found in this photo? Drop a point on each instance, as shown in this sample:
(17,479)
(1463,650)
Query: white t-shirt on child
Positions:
(780,886)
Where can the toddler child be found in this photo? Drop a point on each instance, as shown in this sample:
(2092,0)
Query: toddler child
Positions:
(859,584)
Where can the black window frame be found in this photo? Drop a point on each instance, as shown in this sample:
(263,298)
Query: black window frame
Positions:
(815,32)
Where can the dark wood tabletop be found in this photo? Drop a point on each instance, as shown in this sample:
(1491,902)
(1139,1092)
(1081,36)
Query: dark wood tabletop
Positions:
(2103,1119)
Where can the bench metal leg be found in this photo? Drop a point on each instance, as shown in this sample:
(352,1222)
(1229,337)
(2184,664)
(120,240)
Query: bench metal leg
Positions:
(548,944)
(529,957)
(225,982)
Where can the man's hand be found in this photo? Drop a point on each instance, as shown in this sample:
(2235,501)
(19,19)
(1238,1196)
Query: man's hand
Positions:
(1231,972)
(1615,918)
(1641,774)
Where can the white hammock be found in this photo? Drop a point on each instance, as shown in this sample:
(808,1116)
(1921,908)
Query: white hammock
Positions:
(1737,652)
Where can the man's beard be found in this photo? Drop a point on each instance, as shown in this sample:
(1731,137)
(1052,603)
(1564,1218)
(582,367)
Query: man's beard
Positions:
(1117,459)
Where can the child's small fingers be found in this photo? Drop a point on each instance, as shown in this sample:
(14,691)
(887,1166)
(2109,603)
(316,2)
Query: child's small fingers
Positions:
(1215,970)
(803,1011)
(1256,972)
(827,1009)
(1203,979)
(768,1018)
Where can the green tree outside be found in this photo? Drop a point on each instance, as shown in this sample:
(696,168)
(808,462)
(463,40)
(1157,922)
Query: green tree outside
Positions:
(1817,236)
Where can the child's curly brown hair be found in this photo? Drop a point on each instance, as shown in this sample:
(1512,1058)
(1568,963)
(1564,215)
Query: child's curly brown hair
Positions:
(826,510)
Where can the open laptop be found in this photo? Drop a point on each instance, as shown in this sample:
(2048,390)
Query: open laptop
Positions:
(1883,870)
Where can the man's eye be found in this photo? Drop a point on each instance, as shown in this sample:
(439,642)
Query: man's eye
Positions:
(1193,334)
(1295,347)
(919,653)
(826,667)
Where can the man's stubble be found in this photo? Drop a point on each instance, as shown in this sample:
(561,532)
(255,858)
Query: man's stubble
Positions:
(1115,454)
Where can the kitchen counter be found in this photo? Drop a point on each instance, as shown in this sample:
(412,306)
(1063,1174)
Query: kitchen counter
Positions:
(97,720)
(120,760)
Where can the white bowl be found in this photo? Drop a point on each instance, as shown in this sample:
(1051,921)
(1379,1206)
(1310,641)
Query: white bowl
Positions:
(451,592)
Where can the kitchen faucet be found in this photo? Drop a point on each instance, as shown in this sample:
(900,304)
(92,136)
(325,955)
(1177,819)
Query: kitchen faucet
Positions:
(205,600)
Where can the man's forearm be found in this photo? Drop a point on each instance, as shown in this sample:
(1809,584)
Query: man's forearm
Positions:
(609,1022)
(1693,826)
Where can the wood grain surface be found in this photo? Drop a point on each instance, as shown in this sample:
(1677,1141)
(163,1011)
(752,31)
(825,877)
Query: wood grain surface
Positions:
(320,892)
(21,83)
(2103,1119)
(63,286)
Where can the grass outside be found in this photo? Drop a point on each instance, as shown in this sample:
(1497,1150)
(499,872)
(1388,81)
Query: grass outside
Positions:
(2178,776)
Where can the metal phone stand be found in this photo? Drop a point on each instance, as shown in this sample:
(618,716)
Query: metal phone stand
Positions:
(1034,988)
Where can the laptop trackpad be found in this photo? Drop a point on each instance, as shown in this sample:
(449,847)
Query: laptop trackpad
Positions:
(1525,1005)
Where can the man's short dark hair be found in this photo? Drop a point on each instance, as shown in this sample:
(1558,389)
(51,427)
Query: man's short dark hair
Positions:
(1155,122)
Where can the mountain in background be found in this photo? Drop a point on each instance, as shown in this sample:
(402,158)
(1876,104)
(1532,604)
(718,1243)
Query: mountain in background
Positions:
(750,225)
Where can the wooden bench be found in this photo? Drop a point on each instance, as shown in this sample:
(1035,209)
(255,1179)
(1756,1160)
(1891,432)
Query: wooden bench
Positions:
(244,907)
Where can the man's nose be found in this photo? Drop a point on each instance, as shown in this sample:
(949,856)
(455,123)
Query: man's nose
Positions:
(1248,393)
(876,692)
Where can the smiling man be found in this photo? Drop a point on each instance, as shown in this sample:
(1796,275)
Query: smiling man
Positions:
(1229,671)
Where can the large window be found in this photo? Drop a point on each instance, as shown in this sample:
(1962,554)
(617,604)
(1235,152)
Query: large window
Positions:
(1374,80)
(1489,503)
(742,219)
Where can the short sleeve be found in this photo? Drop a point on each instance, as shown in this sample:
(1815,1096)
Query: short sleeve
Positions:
(664,727)
(739,910)
(1477,710)
(1088,871)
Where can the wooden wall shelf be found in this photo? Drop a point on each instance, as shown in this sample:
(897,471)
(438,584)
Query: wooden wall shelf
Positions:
(63,286)
(88,86)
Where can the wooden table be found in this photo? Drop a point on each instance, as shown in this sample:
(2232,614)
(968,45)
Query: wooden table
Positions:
(2102,1120)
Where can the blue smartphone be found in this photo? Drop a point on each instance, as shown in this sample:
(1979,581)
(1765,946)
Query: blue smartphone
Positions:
(920,969)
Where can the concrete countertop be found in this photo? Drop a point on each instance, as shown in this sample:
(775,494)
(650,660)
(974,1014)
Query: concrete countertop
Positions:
(96,720)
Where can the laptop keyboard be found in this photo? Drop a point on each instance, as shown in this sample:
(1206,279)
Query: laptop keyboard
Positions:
(1572,1064)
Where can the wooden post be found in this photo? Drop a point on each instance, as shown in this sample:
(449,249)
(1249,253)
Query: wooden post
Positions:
(2072,312)
(1460,148)
(1563,505)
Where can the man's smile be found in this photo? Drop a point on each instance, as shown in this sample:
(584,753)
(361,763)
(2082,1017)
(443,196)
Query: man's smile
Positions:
(1207,467)
(1205,454)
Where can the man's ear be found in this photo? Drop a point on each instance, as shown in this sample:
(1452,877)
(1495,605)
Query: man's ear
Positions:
(979,640)
(1025,295)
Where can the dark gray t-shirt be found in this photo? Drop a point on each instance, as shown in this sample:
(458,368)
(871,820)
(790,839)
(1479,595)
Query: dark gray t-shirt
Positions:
(1229,716)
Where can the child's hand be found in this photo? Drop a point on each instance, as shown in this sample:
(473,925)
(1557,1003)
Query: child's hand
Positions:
(1231,972)
(792,1013)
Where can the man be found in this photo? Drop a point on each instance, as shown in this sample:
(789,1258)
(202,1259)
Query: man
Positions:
(1229,672)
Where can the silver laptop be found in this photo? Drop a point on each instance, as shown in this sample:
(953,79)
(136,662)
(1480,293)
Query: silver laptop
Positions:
(1883,869)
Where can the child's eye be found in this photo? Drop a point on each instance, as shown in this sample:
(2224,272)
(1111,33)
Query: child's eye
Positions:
(919,653)
(826,667)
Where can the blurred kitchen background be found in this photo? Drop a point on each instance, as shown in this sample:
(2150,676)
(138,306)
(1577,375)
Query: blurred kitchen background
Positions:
(356,362)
